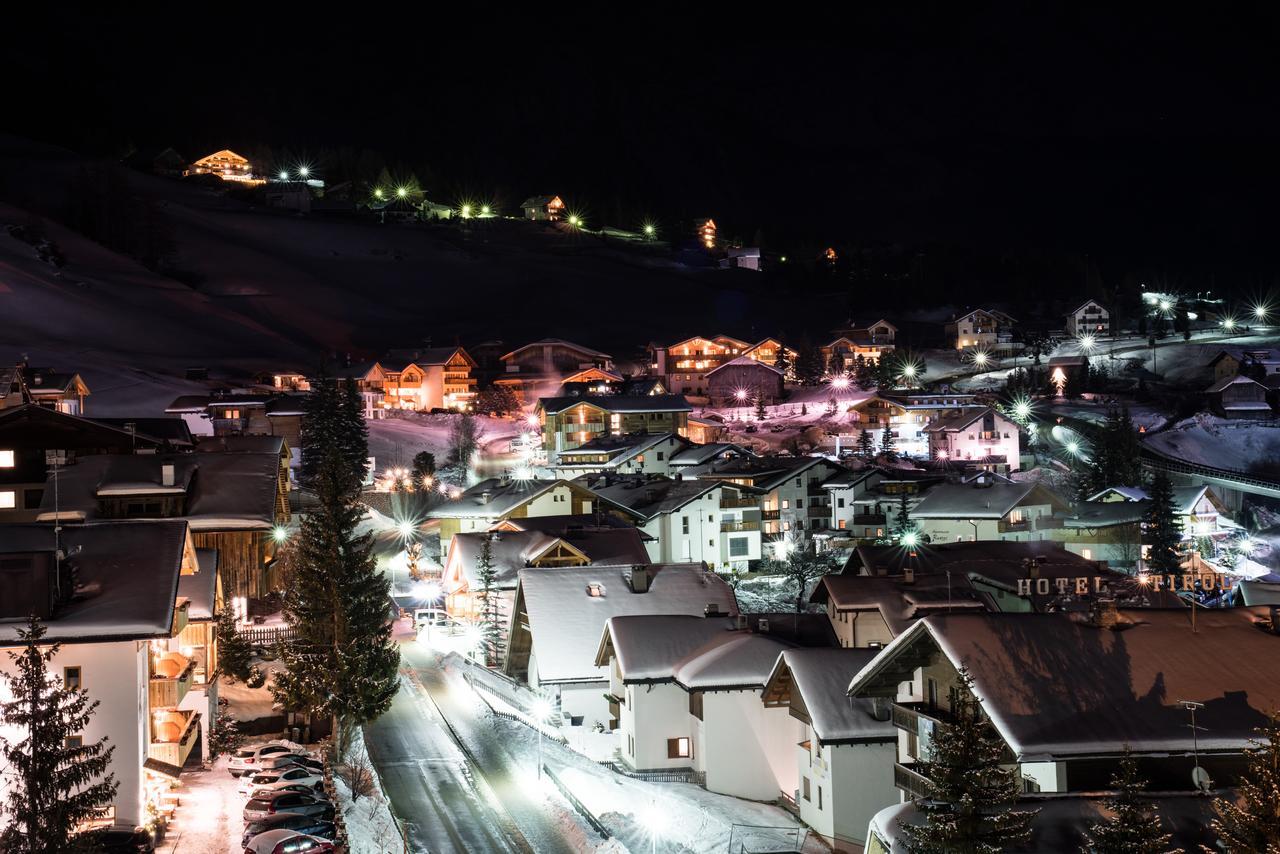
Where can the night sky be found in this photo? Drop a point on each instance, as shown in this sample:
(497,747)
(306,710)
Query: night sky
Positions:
(1149,143)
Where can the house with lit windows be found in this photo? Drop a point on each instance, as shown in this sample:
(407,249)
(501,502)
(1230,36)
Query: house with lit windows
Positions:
(979,435)
(431,378)
(982,328)
(684,365)
(792,498)
(121,598)
(988,507)
(570,422)
(541,367)
(869,342)
(227,165)
(744,381)
(543,208)
(906,413)
(1088,318)
(631,453)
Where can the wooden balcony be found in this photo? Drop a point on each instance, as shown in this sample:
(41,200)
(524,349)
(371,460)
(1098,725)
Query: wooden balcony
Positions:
(726,527)
(176,752)
(907,716)
(770,515)
(167,693)
(906,778)
(737,503)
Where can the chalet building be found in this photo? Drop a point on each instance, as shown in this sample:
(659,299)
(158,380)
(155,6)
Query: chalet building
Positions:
(594,381)
(844,756)
(907,413)
(432,378)
(712,522)
(632,453)
(52,389)
(121,600)
(977,435)
(1257,363)
(743,382)
(541,367)
(1239,396)
(570,422)
(707,453)
(858,508)
(35,440)
(706,430)
(227,165)
(544,208)
(769,350)
(792,499)
(497,500)
(1124,689)
(986,329)
(558,618)
(988,509)
(686,691)
(370,380)
(13,391)
(1108,525)
(286,381)
(1088,318)
(245,414)
(685,365)
(233,502)
(870,342)
(704,227)
(547,542)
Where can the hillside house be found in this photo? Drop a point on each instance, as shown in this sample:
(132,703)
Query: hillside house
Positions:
(985,509)
(986,329)
(870,342)
(632,453)
(743,382)
(1088,318)
(227,165)
(432,378)
(1255,362)
(542,366)
(1238,396)
(52,389)
(684,366)
(277,415)
(570,422)
(792,498)
(543,208)
(978,435)
(906,413)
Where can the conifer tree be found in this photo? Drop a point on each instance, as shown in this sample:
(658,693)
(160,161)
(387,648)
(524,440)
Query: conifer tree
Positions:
(970,807)
(225,736)
(490,616)
(761,412)
(340,660)
(1249,819)
(866,445)
(902,523)
(424,468)
(1134,826)
(783,364)
(1160,525)
(235,653)
(887,446)
(54,784)
(464,441)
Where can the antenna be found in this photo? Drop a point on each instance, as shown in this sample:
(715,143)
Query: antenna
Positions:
(1199,777)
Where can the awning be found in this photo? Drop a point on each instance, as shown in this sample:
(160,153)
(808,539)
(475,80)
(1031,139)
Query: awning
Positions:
(163,768)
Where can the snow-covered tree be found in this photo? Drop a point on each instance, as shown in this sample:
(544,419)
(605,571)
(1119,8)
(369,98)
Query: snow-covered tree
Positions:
(761,412)
(1162,532)
(498,399)
(490,604)
(800,566)
(225,736)
(887,444)
(866,445)
(464,441)
(54,784)
(235,652)
(1249,819)
(973,792)
(1134,826)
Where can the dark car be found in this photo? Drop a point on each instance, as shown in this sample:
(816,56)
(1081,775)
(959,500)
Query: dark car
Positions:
(309,824)
(270,803)
(123,840)
(305,762)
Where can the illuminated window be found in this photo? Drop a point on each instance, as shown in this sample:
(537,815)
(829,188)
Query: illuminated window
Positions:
(8,499)
(71,678)
(678,748)
(6,460)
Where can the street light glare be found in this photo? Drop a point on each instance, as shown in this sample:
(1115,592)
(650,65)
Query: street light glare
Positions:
(540,709)
(406,528)
(284,176)
(304,171)
(279,533)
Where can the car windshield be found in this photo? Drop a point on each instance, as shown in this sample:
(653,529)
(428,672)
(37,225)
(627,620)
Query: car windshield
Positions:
(257,804)
(244,754)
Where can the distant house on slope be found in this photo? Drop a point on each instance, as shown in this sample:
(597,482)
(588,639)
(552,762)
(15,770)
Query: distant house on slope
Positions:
(227,165)
(1088,318)
(1239,397)
(544,208)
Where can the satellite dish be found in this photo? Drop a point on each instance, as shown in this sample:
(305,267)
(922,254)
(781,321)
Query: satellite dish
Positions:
(1200,779)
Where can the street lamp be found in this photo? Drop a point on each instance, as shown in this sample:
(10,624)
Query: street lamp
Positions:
(655,822)
(541,709)
(280,533)
(304,171)
(284,176)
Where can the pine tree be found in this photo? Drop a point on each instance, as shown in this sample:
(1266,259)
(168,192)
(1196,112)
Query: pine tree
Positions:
(862,372)
(902,523)
(340,659)
(54,785)
(887,446)
(784,365)
(464,441)
(970,808)
(235,653)
(1162,532)
(866,445)
(225,736)
(1249,820)
(1134,826)
(809,363)
(424,468)
(761,412)
(490,617)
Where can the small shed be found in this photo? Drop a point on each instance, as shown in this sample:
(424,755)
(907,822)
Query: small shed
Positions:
(1239,397)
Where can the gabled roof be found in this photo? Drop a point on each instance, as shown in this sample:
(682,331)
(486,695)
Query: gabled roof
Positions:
(1055,685)
(558,342)
(767,472)
(745,362)
(426,356)
(127,574)
(172,430)
(46,381)
(958,419)
(224,154)
(1085,305)
(540,201)
(566,622)
(900,602)
(512,551)
(723,340)
(1239,379)
(618,403)
(649,496)
(593,373)
(967,501)
(699,454)
(494,497)
(1185,498)
(821,678)
(619,448)
(42,427)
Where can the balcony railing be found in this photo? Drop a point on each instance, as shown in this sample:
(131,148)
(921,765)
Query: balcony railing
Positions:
(908,715)
(1006,527)
(167,693)
(739,526)
(869,519)
(770,515)
(736,503)
(906,778)
(176,752)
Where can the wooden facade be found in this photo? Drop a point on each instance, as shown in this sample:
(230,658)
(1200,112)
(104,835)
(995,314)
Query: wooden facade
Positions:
(243,558)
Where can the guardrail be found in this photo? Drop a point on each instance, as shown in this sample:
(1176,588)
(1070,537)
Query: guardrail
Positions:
(578,805)
(672,775)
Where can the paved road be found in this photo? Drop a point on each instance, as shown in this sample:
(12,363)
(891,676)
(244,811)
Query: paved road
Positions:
(478,800)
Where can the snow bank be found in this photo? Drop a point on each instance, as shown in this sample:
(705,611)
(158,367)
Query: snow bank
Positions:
(1234,444)
(371,828)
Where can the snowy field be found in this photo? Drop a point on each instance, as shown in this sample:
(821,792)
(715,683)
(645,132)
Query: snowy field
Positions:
(393,442)
(1235,444)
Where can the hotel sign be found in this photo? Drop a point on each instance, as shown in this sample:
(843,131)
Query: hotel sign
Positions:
(1083,585)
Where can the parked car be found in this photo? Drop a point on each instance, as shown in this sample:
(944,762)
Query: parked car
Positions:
(284,760)
(287,842)
(251,758)
(303,762)
(308,824)
(123,840)
(269,803)
(280,777)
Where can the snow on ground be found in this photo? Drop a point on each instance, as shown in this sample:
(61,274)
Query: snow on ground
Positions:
(371,828)
(1234,444)
(766,594)
(1095,410)
(250,704)
(394,441)
(209,817)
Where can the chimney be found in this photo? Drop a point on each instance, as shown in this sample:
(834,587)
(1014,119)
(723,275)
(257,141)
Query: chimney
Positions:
(640,579)
(485,496)
(1103,613)
(166,474)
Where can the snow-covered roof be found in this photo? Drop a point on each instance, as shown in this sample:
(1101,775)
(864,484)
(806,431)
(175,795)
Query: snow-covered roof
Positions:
(1185,498)
(224,491)
(495,497)
(821,678)
(970,501)
(1239,379)
(1055,685)
(242,444)
(699,454)
(648,496)
(620,448)
(406,357)
(127,576)
(766,473)
(959,419)
(898,601)
(744,362)
(1082,306)
(512,551)
(200,587)
(566,621)
(743,660)
(619,403)
(558,342)
(1128,493)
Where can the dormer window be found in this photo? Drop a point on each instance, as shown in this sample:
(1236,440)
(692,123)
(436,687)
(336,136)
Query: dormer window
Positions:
(6,460)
